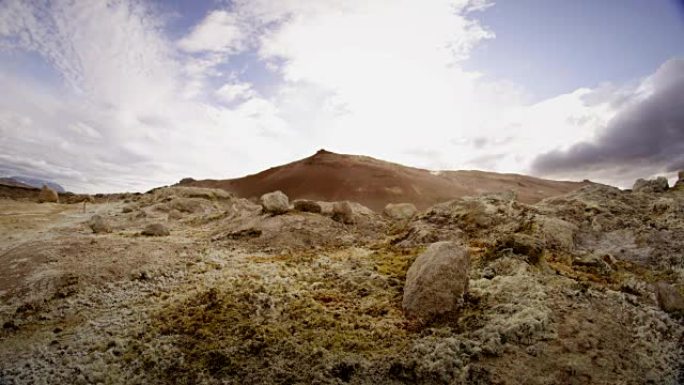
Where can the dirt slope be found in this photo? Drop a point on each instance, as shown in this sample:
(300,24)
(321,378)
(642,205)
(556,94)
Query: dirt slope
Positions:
(374,183)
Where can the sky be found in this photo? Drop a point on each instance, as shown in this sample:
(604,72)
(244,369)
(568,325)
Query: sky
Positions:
(127,95)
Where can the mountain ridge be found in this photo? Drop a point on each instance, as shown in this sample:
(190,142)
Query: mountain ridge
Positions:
(28,182)
(329,176)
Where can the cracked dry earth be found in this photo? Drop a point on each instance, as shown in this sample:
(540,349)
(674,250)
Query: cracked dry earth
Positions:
(561,292)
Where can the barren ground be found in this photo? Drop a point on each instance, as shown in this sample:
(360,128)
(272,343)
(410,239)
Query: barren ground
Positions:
(236,296)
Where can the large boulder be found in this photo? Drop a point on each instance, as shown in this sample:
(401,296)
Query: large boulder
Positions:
(656,185)
(307,206)
(48,195)
(156,230)
(669,298)
(99,225)
(275,202)
(343,212)
(436,281)
(400,211)
(556,232)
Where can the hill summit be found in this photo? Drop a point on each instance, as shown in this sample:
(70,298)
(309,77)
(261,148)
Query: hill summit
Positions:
(328,176)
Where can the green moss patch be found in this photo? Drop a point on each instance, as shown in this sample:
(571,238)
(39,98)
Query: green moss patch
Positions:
(273,325)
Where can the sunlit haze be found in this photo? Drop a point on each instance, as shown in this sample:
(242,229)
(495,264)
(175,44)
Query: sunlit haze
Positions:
(128,95)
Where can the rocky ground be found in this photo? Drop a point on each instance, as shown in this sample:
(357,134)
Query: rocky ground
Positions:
(584,288)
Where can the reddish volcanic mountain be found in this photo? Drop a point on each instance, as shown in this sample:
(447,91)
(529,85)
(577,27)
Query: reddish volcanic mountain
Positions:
(327,176)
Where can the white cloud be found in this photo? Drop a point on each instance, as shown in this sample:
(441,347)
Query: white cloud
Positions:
(231,92)
(122,120)
(220,31)
(382,78)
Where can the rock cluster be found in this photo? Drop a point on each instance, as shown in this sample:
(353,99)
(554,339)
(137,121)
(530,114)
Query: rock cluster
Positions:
(657,185)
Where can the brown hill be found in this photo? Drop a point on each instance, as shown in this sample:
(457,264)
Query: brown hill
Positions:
(329,176)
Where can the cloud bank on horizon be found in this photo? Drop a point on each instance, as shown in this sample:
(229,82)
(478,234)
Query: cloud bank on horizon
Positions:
(129,95)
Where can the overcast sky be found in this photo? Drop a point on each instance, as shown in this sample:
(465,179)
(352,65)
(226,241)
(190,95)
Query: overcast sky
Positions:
(127,95)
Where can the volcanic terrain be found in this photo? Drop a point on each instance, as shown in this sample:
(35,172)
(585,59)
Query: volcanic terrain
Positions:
(192,285)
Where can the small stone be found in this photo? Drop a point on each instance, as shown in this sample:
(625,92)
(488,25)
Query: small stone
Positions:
(48,195)
(669,298)
(343,212)
(523,244)
(156,230)
(10,325)
(400,211)
(175,215)
(275,202)
(679,185)
(307,206)
(594,264)
(99,225)
(632,286)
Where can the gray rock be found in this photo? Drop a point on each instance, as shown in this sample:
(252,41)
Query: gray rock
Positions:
(594,263)
(657,185)
(679,185)
(175,215)
(275,202)
(669,298)
(186,205)
(48,195)
(436,281)
(307,206)
(556,232)
(156,230)
(523,244)
(99,225)
(400,211)
(343,212)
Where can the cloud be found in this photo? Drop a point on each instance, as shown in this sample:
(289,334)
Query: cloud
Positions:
(644,138)
(260,82)
(121,119)
(233,91)
(220,31)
